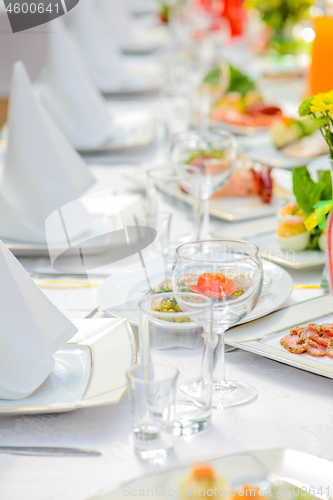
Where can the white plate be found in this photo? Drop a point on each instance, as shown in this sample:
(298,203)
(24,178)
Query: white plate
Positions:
(88,371)
(237,129)
(262,337)
(130,280)
(230,209)
(145,41)
(261,148)
(263,234)
(128,129)
(143,77)
(98,239)
(254,467)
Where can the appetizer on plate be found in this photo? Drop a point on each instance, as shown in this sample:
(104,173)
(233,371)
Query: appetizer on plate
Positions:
(203,479)
(316,340)
(249,179)
(241,103)
(299,227)
(298,138)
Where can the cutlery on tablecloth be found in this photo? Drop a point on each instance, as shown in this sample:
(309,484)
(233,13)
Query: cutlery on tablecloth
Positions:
(48,451)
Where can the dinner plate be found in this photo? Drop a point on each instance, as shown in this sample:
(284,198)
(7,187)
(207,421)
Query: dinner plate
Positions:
(128,129)
(237,129)
(263,235)
(229,209)
(88,371)
(263,336)
(271,469)
(142,77)
(131,281)
(98,240)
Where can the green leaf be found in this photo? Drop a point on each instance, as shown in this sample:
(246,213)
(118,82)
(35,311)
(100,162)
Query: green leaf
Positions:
(325,177)
(304,109)
(307,192)
(213,77)
(321,121)
(239,82)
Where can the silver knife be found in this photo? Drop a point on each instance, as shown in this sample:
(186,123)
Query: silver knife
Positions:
(49,451)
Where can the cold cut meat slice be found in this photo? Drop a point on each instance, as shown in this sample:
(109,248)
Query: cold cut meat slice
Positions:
(314,348)
(289,342)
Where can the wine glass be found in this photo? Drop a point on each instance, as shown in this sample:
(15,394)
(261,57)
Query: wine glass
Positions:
(230,273)
(214,152)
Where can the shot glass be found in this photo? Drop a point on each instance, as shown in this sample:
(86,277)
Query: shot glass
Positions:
(152,393)
(161,221)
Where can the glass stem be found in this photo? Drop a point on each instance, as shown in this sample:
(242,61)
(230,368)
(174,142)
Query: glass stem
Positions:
(219,361)
(204,233)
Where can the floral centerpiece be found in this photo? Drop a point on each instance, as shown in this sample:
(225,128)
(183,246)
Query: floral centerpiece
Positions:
(281,16)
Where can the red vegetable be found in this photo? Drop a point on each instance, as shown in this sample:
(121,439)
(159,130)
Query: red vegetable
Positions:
(215,286)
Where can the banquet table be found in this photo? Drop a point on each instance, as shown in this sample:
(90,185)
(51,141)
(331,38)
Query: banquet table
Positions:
(293,408)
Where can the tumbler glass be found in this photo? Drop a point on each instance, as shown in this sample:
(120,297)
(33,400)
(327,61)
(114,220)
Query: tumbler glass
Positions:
(176,328)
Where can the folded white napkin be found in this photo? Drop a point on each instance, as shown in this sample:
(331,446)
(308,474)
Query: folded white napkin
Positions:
(102,58)
(42,172)
(117,19)
(32,330)
(69,95)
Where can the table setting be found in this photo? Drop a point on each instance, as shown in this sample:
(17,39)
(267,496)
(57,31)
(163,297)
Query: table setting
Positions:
(166,215)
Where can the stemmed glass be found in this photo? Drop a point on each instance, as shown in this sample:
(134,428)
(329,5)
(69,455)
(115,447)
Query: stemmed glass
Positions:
(214,152)
(230,273)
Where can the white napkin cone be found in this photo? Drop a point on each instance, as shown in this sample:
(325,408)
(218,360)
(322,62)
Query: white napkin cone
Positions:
(42,172)
(69,95)
(102,58)
(117,19)
(32,330)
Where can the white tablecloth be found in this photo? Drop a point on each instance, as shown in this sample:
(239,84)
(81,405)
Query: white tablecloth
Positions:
(294,408)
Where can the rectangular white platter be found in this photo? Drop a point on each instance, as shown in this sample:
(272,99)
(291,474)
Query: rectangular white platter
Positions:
(263,336)
(256,467)
(262,234)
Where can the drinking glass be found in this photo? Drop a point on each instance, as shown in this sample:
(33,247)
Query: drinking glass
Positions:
(176,328)
(161,221)
(230,272)
(169,186)
(214,152)
(152,393)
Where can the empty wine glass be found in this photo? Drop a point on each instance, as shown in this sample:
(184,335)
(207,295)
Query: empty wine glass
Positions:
(230,273)
(214,152)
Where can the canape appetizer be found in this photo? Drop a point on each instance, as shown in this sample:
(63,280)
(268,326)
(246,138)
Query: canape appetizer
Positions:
(298,138)
(202,480)
(291,233)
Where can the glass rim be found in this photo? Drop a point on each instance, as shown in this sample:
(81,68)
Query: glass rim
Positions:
(131,377)
(150,172)
(213,131)
(192,243)
(206,305)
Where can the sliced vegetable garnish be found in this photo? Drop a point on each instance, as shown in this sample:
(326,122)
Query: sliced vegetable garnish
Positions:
(215,286)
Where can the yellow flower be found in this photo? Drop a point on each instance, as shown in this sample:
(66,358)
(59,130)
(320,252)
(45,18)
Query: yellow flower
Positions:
(322,103)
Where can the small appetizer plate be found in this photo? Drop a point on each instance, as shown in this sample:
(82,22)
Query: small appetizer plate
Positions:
(261,148)
(89,371)
(263,336)
(282,468)
(233,208)
(264,236)
(132,281)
